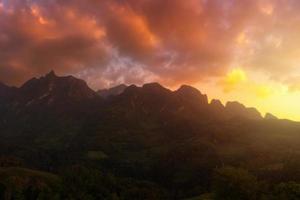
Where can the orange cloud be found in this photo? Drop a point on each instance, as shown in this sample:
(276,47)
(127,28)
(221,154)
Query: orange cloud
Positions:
(174,41)
(266,7)
(34,40)
(36,12)
(130,32)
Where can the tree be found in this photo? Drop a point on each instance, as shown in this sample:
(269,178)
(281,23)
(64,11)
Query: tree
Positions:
(235,184)
(287,191)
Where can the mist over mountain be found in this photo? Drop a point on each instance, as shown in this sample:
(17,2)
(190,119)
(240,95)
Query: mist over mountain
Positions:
(147,142)
(112,91)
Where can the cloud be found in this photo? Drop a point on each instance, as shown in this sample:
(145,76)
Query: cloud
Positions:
(35,39)
(239,81)
(172,41)
(233,79)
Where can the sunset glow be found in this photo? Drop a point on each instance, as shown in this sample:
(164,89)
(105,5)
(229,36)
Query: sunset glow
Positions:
(248,51)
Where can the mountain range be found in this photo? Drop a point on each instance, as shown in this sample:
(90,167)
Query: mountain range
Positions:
(167,142)
(53,91)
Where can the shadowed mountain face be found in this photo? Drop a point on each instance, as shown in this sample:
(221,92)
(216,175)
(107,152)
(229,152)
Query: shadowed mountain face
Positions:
(112,91)
(4,89)
(171,139)
(65,92)
(270,116)
(6,95)
(52,89)
(52,93)
(6,92)
(46,103)
(236,109)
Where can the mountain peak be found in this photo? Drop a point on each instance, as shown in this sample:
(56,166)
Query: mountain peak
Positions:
(192,94)
(188,89)
(217,104)
(236,109)
(270,116)
(112,91)
(52,89)
(155,88)
(51,74)
(234,105)
(153,85)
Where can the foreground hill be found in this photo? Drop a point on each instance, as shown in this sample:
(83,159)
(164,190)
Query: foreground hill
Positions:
(141,143)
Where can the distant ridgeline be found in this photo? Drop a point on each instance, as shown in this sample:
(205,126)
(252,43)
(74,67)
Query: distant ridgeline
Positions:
(59,139)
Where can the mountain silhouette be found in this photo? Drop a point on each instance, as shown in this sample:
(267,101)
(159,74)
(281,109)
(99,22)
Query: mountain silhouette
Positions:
(67,92)
(112,91)
(6,91)
(51,89)
(47,97)
(236,109)
(270,116)
(146,140)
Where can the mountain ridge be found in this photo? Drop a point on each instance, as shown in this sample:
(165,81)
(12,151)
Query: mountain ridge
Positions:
(174,140)
(52,88)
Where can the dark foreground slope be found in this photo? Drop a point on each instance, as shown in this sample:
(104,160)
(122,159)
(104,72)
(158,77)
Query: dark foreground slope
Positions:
(61,140)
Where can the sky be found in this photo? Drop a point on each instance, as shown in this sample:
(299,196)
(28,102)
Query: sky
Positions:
(244,50)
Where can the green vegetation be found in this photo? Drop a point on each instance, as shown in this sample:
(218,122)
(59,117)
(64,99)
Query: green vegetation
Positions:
(146,143)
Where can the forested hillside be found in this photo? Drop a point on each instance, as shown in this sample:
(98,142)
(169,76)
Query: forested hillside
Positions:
(59,139)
